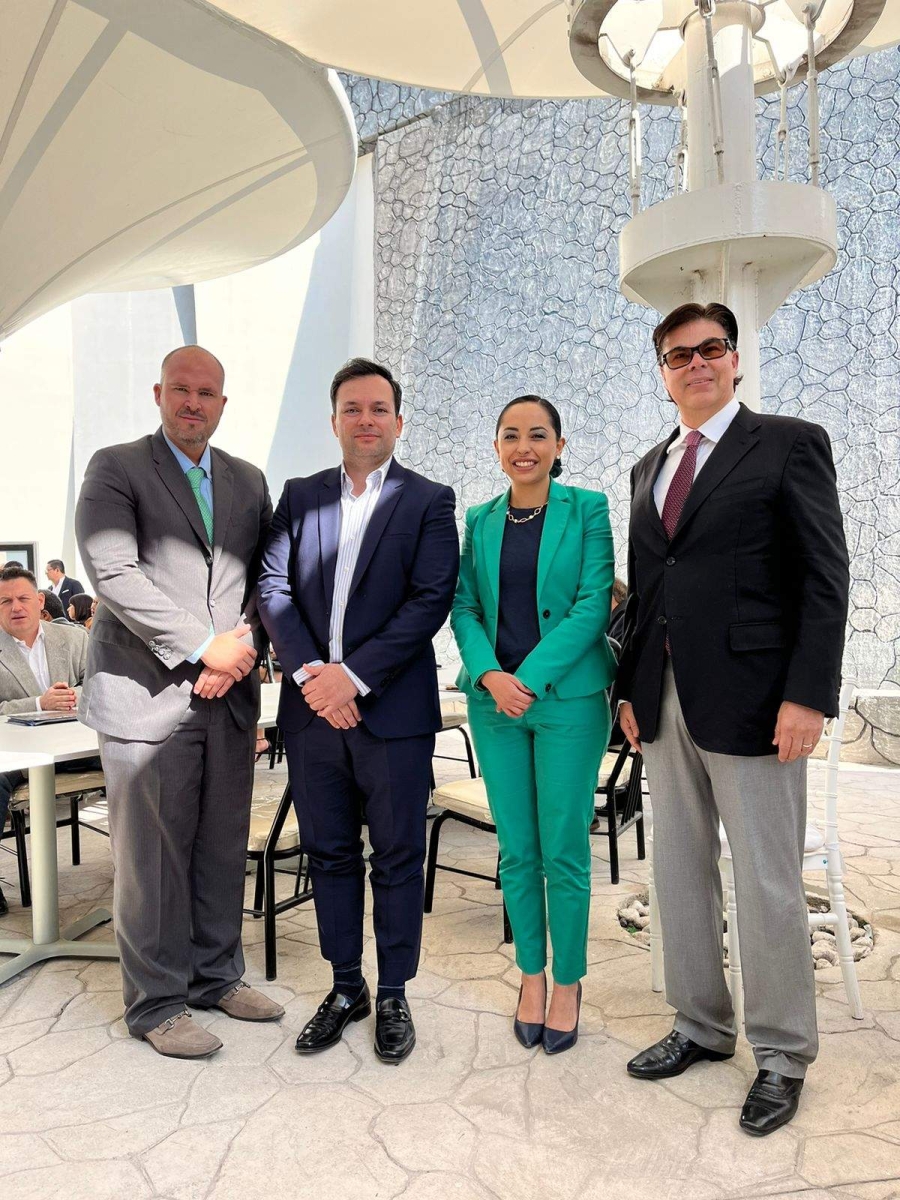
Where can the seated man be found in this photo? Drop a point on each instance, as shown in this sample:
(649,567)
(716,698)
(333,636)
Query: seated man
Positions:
(53,609)
(41,667)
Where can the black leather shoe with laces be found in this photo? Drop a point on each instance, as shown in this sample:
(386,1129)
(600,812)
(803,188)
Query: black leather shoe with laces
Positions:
(395,1034)
(332,1017)
(670,1057)
(771,1102)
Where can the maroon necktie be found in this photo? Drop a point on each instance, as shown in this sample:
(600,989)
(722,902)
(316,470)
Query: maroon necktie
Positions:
(681,483)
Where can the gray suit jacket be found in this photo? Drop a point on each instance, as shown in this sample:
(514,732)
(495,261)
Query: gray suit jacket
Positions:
(162,585)
(66,647)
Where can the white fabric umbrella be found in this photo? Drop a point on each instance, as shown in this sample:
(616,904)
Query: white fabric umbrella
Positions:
(521,47)
(150,143)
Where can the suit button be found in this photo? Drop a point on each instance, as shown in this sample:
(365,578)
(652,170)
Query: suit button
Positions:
(212,604)
(670,562)
(660,620)
(548,687)
(546,613)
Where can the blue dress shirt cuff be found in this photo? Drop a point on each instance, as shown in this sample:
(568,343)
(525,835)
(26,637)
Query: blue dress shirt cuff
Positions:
(200,651)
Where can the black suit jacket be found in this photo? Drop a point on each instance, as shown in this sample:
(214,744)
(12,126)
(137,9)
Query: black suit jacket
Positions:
(752,589)
(400,595)
(69,588)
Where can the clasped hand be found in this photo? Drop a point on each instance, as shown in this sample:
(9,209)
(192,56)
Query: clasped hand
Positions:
(510,696)
(228,657)
(331,694)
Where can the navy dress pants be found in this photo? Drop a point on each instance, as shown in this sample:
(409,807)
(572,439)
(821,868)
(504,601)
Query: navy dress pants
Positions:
(338,777)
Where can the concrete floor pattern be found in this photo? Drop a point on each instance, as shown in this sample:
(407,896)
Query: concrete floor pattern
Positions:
(87,1112)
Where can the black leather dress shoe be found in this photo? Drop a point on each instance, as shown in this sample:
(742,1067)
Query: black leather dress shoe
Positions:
(4,905)
(770,1103)
(555,1041)
(395,1034)
(332,1017)
(670,1057)
(529,1033)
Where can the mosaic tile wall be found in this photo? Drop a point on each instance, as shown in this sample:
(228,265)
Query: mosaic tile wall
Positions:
(496,268)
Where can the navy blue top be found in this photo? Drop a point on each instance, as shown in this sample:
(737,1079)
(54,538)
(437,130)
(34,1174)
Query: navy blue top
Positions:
(518,627)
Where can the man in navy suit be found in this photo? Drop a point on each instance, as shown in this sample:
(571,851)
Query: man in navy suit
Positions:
(357,578)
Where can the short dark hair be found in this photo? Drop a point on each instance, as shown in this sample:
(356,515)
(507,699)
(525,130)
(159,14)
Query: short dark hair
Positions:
(555,420)
(81,602)
(619,591)
(53,605)
(359,368)
(10,572)
(57,564)
(720,313)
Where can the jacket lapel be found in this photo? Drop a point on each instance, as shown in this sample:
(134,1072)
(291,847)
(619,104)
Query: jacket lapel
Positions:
(223,497)
(644,502)
(387,502)
(176,481)
(12,659)
(492,542)
(329,506)
(558,509)
(738,438)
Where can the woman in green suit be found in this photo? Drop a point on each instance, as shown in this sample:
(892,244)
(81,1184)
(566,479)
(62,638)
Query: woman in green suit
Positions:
(530,618)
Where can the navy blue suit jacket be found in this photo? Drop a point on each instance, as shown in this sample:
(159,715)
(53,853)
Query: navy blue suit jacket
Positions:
(400,595)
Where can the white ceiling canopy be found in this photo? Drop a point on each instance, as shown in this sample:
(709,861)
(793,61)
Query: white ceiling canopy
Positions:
(150,143)
(520,48)
(487,47)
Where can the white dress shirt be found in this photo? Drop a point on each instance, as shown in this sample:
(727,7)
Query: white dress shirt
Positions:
(36,657)
(356,512)
(713,430)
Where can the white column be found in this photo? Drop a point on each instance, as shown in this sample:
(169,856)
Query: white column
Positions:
(735,283)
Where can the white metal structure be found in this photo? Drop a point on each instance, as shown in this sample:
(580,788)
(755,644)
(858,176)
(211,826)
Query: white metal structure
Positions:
(724,234)
(822,853)
(150,143)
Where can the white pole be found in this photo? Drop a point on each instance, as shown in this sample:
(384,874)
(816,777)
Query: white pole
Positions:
(733,119)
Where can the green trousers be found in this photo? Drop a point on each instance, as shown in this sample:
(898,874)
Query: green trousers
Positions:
(540,772)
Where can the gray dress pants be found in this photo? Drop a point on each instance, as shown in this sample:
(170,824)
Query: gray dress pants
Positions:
(179,817)
(762,804)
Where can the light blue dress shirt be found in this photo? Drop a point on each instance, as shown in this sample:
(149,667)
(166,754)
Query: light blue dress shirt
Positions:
(206,491)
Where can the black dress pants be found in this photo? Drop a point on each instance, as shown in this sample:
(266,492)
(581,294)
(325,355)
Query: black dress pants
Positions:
(338,776)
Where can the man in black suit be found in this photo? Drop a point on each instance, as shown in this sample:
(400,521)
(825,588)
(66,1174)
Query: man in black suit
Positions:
(357,578)
(734,632)
(60,583)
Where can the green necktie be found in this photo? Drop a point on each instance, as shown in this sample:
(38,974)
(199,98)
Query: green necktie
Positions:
(196,475)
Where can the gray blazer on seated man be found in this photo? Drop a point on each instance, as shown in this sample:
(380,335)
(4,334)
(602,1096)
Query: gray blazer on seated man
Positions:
(41,666)
(171,533)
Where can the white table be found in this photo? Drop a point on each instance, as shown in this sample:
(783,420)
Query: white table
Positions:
(37,750)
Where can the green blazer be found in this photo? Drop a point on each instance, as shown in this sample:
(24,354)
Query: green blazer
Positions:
(576,570)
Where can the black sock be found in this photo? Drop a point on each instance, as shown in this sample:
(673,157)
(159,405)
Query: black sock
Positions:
(390,993)
(348,978)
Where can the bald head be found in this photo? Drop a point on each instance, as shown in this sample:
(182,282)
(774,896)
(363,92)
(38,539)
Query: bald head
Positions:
(176,354)
(190,395)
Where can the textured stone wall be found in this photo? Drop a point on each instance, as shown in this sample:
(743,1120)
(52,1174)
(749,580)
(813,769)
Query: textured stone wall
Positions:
(496,273)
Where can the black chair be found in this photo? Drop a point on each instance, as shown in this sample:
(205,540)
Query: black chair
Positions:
(270,843)
(623,802)
(463,801)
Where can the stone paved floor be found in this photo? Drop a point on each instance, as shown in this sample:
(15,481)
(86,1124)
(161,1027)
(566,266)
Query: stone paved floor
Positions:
(87,1112)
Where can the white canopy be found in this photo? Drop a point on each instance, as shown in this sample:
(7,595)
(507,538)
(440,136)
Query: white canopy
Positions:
(511,47)
(149,143)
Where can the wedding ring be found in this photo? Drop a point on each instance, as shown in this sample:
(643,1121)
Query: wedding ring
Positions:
(806,745)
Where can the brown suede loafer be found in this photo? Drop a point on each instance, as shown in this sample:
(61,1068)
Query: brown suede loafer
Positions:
(245,1003)
(181,1037)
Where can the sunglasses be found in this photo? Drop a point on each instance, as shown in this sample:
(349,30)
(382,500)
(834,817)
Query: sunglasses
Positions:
(682,356)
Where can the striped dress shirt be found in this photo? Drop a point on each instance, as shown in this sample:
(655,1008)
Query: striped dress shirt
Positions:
(356,512)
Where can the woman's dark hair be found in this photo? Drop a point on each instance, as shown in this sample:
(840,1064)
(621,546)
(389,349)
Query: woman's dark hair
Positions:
(81,602)
(555,421)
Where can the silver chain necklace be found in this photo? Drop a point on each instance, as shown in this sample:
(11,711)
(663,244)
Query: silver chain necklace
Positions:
(524,520)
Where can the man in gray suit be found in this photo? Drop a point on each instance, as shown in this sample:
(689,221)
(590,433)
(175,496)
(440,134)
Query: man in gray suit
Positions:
(171,533)
(41,666)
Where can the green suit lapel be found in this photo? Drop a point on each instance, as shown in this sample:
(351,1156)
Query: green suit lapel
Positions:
(558,509)
(492,543)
